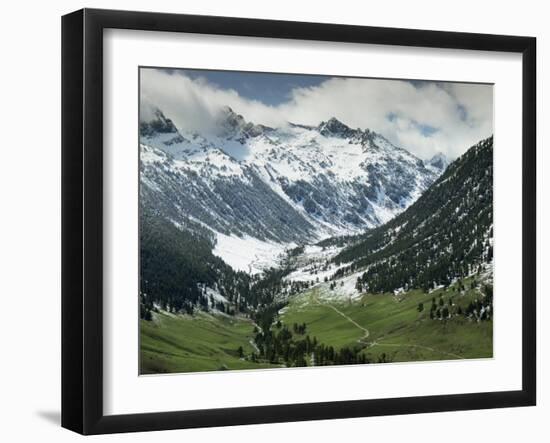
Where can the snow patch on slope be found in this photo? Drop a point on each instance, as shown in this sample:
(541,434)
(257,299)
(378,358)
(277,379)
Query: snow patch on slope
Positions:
(249,254)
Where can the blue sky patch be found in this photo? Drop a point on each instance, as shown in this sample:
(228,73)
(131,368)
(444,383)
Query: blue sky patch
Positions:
(270,89)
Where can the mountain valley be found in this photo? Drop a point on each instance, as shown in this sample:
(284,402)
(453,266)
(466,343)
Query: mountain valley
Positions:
(309,245)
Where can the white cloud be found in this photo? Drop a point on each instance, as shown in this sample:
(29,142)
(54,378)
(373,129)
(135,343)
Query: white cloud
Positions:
(454,116)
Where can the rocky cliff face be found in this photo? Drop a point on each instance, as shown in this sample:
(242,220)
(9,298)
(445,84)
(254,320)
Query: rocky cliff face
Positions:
(295,183)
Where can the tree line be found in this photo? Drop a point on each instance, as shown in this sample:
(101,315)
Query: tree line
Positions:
(446,234)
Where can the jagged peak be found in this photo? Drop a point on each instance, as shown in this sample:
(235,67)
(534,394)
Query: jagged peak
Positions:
(438,156)
(335,127)
(229,118)
(335,121)
(439,161)
(232,124)
(159,124)
(227,109)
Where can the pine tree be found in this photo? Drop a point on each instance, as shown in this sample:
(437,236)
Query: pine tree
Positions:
(430,240)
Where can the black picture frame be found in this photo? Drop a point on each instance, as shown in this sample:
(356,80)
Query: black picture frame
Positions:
(82,218)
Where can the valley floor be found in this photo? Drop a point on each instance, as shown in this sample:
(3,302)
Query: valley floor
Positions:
(389,328)
(386,327)
(204,342)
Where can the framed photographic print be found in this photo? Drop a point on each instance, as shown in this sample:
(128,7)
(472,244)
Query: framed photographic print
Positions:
(270,221)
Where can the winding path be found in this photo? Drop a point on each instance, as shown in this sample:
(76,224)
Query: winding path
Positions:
(253,344)
(351,320)
(375,343)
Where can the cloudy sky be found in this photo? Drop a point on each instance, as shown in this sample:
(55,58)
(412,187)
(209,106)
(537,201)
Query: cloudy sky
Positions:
(423,117)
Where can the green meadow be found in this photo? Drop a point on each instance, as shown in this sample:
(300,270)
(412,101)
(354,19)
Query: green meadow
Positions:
(386,327)
(392,325)
(203,342)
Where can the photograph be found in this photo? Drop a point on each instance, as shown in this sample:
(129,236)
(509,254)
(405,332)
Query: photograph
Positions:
(291,220)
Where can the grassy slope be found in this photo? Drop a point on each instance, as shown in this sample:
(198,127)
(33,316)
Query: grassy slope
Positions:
(204,342)
(395,326)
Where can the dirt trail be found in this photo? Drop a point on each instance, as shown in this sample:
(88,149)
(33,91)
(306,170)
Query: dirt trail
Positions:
(375,343)
(351,320)
(253,344)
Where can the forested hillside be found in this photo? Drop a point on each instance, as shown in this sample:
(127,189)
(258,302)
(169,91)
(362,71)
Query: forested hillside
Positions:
(446,234)
(179,271)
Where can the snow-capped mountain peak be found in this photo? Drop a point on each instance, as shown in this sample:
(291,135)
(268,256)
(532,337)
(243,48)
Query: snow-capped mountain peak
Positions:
(233,125)
(159,125)
(229,123)
(335,128)
(438,162)
(289,184)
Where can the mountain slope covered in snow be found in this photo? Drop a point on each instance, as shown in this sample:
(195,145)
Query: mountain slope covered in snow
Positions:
(445,235)
(293,184)
(438,163)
